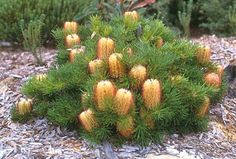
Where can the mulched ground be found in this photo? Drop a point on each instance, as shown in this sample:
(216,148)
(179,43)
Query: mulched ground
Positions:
(39,138)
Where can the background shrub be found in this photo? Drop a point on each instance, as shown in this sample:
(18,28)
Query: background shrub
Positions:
(12,12)
(216,16)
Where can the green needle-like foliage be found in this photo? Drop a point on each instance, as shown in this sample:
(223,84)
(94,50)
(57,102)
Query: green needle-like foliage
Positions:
(60,97)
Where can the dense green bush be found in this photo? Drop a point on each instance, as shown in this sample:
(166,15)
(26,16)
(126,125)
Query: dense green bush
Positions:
(218,15)
(71,88)
(12,12)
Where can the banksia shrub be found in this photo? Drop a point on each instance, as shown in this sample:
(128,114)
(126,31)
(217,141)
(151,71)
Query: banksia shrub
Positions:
(151,93)
(212,79)
(24,106)
(73,53)
(71,27)
(139,74)
(120,93)
(72,40)
(123,101)
(125,126)
(203,55)
(103,91)
(87,120)
(95,65)
(116,68)
(40,77)
(105,48)
(204,107)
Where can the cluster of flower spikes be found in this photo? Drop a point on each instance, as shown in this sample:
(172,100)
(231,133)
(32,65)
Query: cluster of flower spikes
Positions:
(124,102)
(123,99)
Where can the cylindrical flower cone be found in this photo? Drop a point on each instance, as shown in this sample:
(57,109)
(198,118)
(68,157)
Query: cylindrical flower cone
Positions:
(24,106)
(139,73)
(71,27)
(151,93)
(103,90)
(124,101)
(40,77)
(95,65)
(72,40)
(84,98)
(203,55)
(212,79)
(147,118)
(220,70)
(105,48)
(159,42)
(177,79)
(87,120)
(131,16)
(73,53)
(204,108)
(116,68)
(128,50)
(126,127)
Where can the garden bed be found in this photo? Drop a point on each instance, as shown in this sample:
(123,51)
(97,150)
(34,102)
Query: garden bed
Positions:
(40,139)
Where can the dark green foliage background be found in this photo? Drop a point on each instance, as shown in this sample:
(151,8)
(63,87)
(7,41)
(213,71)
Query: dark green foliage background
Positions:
(58,97)
(212,15)
(56,12)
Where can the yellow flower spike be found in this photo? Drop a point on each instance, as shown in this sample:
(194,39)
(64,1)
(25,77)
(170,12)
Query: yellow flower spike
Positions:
(124,101)
(24,106)
(87,120)
(102,91)
(116,68)
(105,48)
(151,93)
(139,73)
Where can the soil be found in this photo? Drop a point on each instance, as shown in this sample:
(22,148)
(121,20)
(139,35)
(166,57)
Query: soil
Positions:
(39,138)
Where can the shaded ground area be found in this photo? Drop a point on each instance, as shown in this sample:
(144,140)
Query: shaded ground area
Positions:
(39,138)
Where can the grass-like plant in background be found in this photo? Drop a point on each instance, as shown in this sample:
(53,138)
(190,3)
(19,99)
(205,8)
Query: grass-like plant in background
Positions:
(132,81)
(32,38)
(232,18)
(185,17)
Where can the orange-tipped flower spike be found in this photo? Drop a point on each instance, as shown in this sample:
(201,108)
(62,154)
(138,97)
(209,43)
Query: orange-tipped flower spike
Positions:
(151,93)
(87,120)
(40,77)
(126,127)
(147,118)
(72,40)
(24,106)
(95,65)
(203,55)
(71,27)
(124,101)
(73,53)
(204,108)
(212,79)
(116,68)
(102,91)
(105,48)
(131,16)
(139,73)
